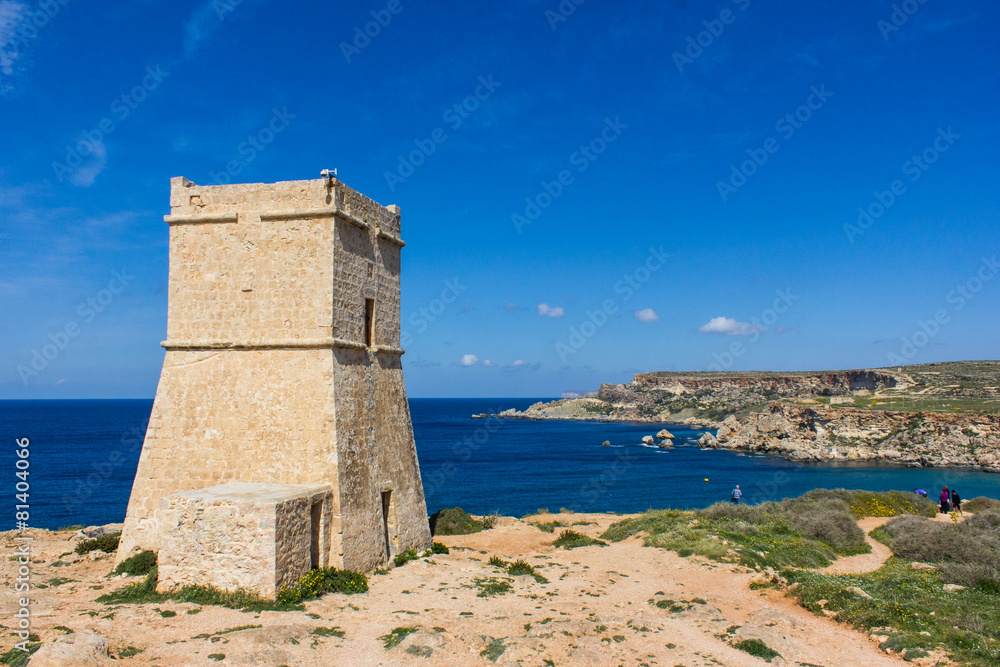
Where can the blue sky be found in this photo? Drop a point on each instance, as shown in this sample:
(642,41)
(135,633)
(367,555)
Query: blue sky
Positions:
(588,191)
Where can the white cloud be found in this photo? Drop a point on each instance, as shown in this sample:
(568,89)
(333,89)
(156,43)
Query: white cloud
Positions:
(512,306)
(729,327)
(519,362)
(11,14)
(646,315)
(85,174)
(545,310)
(469,360)
(487,363)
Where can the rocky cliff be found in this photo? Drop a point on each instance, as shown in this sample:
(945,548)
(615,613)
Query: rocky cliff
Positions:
(823,434)
(949,416)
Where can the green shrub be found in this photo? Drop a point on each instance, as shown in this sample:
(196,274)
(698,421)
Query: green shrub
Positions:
(457,521)
(834,524)
(106,543)
(981,503)
(405,557)
(570,539)
(986,519)
(439,548)
(314,583)
(967,554)
(137,565)
(757,648)
(396,636)
(520,567)
(496,561)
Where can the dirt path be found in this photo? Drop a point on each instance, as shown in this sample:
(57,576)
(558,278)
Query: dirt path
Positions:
(864,563)
(623,604)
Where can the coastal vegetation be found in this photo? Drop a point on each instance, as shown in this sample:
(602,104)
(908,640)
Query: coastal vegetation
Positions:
(937,594)
(309,586)
(106,543)
(457,521)
(810,531)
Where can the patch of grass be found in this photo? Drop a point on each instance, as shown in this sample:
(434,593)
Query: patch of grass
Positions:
(166,613)
(63,629)
(106,543)
(328,632)
(493,650)
(397,635)
(18,658)
(218,657)
(496,561)
(439,548)
(520,567)
(137,565)
(314,583)
(881,534)
(238,628)
(129,652)
(403,558)
(59,581)
(757,648)
(570,539)
(490,586)
(912,602)
(548,526)
(457,521)
(809,532)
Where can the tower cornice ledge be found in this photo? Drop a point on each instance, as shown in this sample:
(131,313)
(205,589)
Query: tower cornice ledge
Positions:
(288,344)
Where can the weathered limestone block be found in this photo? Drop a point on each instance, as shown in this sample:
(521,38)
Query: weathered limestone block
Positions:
(261,537)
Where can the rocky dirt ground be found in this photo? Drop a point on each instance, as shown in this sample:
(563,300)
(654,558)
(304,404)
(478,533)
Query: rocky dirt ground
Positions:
(598,608)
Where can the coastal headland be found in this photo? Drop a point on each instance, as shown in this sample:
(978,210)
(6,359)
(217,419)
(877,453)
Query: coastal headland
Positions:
(941,414)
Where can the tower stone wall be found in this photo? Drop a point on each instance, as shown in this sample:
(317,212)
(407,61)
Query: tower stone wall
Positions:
(282,362)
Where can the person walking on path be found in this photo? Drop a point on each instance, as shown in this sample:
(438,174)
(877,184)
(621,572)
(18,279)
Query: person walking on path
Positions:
(944,499)
(737,494)
(956,502)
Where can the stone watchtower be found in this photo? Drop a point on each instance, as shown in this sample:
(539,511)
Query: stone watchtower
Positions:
(282,376)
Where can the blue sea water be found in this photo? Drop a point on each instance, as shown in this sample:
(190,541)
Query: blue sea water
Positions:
(84,455)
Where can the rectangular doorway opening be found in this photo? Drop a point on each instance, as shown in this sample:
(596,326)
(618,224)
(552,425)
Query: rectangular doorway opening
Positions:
(386,521)
(369,320)
(316,516)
